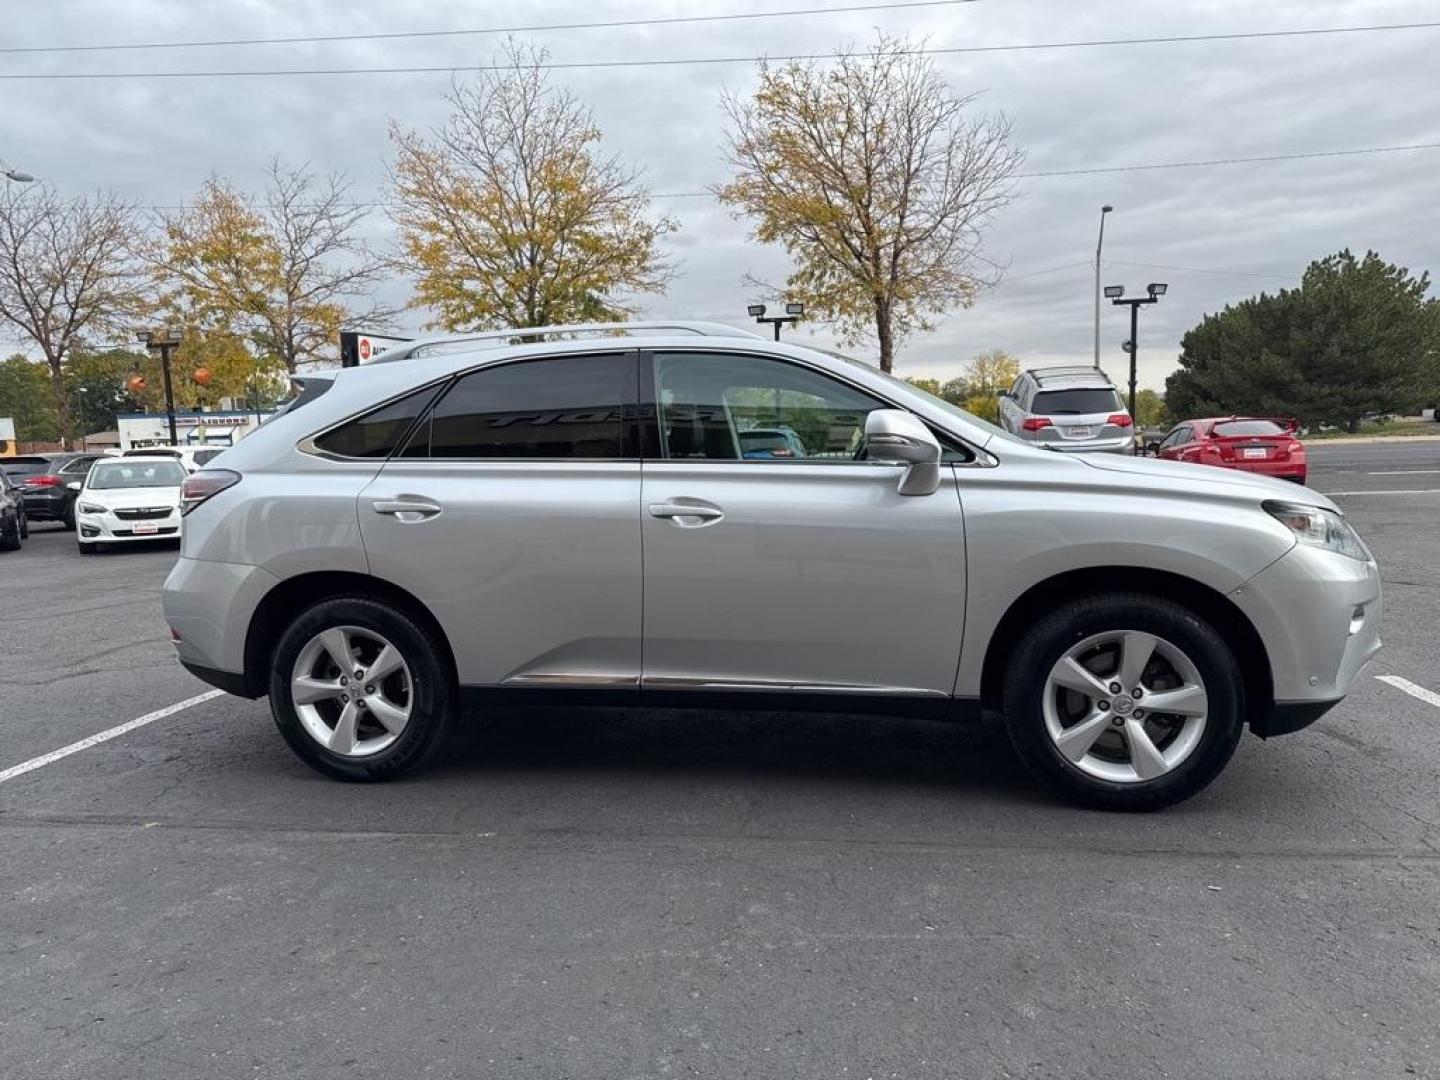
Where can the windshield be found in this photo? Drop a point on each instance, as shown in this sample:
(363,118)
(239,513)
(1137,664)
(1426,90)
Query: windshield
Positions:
(1076,402)
(136,474)
(1231,428)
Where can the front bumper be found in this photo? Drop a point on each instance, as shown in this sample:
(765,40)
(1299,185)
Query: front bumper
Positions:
(1318,614)
(109,528)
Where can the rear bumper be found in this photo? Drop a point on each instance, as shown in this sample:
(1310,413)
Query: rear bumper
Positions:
(46,504)
(1288,716)
(208,607)
(1281,470)
(232,682)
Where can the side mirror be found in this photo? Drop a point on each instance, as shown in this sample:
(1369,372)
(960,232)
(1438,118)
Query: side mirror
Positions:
(894,435)
(73,485)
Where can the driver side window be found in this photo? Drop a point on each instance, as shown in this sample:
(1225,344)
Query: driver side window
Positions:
(724,407)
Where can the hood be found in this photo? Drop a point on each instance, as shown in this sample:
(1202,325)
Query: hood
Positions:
(1233,481)
(130,498)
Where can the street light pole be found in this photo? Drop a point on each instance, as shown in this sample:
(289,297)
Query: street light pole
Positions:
(1117,296)
(163,342)
(1099,246)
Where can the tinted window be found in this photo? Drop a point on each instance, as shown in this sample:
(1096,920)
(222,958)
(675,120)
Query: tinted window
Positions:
(709,404)
(25,466)
(77,466)
(559,407)
(1231,428)
(204,457)
(1076,402)
(378,432)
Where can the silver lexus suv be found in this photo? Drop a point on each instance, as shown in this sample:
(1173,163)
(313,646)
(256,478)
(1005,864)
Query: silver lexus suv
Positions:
(578,515)
(1068,408)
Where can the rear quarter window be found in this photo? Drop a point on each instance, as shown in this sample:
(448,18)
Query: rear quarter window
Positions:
(379,432)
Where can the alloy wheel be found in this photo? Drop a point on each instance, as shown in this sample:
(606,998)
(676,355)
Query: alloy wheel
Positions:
(352,691)
(1125,706)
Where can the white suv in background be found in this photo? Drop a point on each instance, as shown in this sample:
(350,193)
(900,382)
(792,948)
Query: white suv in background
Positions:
(1068,408)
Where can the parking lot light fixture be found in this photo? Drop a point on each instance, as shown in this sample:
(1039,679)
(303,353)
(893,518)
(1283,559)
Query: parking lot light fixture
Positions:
(1154,291)
(164,342)
(793,311)
(16,176)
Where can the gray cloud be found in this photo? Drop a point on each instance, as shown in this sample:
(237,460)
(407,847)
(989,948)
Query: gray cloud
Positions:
(1253,226)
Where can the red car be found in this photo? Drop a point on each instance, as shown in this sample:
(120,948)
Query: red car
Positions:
(1259,444)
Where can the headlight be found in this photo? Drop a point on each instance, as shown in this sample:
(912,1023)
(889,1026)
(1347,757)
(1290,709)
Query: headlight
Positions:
(1319,528)
(92,508)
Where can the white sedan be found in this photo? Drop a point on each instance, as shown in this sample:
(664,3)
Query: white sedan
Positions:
(128,499)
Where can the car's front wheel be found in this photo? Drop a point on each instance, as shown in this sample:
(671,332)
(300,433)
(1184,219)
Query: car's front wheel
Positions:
(1128,702)
(360,690)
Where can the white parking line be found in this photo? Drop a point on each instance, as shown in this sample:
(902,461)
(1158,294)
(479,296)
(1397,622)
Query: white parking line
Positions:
(1405,472)
(1410,491)
(105,736)
(1427,696)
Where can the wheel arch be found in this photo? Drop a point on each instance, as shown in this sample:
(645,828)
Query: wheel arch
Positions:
(294,594)
(1205,601)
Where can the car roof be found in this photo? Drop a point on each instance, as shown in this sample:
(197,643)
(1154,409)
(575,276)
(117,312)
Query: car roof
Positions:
(1069,376)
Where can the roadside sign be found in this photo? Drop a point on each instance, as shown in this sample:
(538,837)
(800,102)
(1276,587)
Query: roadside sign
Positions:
(361,347)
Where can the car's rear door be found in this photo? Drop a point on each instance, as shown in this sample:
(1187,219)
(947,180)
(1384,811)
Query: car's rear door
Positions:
(808,574)
(513,513)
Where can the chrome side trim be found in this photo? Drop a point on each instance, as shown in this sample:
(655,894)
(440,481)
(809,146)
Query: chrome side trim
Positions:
(670,682)
(572,680)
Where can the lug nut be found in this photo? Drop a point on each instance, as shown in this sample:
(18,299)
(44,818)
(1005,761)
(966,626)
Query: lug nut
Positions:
(359,674)
(345,698)
(1137,693)
(1138,714)
(369,689)
(343,680)
(1115,688)
(1119,721)
(1102,705)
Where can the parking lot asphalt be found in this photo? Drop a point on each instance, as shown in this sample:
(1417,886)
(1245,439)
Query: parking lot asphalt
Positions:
(601,893)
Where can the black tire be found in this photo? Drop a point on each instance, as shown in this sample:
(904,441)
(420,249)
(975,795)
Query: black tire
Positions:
(24,528)
(10,538)
(67,519)
(433,689)
(1049,639)
(87,549)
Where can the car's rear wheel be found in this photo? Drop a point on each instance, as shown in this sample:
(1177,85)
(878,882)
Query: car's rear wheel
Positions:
(10,537)
(360,690)
(1128,702)
(67,519)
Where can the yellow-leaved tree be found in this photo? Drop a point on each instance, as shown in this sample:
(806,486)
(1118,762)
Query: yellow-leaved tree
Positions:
(988,376)
(510,216)
(878,181)
(280,271)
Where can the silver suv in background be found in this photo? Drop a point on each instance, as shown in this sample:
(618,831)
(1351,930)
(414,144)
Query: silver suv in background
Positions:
(537,516)
(1068,408)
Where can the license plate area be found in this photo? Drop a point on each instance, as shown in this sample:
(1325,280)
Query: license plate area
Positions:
(146,528)
(1078,432)
(1254,452)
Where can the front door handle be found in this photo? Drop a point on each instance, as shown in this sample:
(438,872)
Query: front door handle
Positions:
(408,510)
(679,511)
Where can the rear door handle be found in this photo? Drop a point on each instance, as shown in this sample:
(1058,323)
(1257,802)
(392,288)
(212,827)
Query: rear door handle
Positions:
(408,510)
(684,510)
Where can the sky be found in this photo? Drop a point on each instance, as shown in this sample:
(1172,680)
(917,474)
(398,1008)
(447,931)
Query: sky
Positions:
(1214,234)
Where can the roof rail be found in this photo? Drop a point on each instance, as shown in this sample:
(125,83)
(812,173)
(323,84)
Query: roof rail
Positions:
(450,342)
(1066,370)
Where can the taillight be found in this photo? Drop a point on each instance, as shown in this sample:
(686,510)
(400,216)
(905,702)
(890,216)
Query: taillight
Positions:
(1035,423)
(199,486)
(1120,419)
(1295,447)
(42,481)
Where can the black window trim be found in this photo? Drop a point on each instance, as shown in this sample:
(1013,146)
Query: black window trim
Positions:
(442,386)
(647,435)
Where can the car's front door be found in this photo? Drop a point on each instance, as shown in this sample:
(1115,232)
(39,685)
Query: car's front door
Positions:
(513,514)
(798,573)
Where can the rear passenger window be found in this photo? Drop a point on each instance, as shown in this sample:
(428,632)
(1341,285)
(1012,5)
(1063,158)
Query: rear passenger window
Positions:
(558,407)
(378,432)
